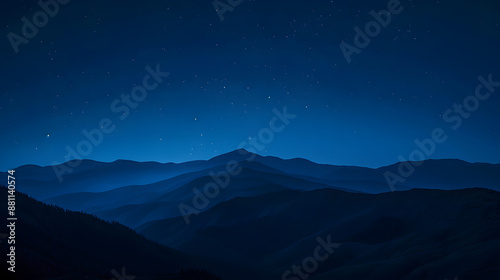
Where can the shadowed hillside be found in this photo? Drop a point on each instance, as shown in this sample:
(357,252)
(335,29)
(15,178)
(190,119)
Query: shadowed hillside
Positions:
(418,234)
(52,243)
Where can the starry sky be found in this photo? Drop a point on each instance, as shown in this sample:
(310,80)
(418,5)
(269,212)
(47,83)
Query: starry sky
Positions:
(226,77)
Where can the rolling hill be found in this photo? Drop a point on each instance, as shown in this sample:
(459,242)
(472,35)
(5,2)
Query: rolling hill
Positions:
(417,234)
(53,243)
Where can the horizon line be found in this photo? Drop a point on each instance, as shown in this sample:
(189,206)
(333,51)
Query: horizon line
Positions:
(237,150)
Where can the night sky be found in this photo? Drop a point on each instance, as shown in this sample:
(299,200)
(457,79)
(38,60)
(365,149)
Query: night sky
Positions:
(226,77)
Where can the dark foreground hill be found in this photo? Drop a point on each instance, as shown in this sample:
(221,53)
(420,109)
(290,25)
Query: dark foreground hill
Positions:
(52,243)
(417,234)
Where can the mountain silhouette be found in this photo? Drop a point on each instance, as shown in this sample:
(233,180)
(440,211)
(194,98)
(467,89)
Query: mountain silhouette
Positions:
(258,217)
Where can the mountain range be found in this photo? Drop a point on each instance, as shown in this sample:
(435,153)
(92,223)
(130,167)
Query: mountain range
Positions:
(241,214)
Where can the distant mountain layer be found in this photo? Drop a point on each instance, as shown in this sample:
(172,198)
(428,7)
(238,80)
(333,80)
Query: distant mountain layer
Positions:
(134,205)
(134,193)
(91,176)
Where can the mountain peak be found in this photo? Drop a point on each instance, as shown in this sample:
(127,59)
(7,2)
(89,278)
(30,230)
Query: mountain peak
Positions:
(237,155)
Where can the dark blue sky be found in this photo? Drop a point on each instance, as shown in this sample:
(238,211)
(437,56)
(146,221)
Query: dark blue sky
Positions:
(226,77)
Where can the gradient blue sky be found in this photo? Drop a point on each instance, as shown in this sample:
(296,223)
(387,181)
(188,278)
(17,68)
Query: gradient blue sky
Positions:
(226,78)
